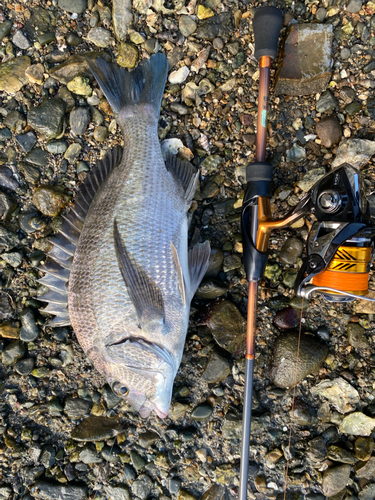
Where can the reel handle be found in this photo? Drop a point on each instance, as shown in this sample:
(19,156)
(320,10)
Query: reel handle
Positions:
(267,24)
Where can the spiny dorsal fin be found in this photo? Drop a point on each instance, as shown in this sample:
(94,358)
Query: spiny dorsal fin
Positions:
(198,263)
(185,174)
(181,282)
(60,257)
(143,291)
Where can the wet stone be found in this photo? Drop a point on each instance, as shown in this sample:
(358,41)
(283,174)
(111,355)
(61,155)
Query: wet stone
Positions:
(13,352)
(96,429)
(20,40)
(5,28)
(79,119)
(137,461)
(368,470)
(12,74)
(29,331)
(57,147)
(5,134)
(141,488)
(356,152)
(335,479)
(329,131)
(76,407)
(357,424)
(73,39)
(26,141)
(48,456)
(25,366)
(303,414)
(6,310)
(357,337)
(8,240)
(217,369)
(111,454)
(338,454)
(287,319)
(147,439)
(363,448)
(50,200)
(73,6)
(327,102)
(302,70)
(174,486)
(31,174)
(310,178)
(354,6)
(127,55)
(14,259)
(187,25)
(353,108)
(214,27)
(232,262)
(99,37)
(47,119)
(80,86)
(272,272)
(118,492)
(9,331)
(368,492)
(339,393)
(37,157)
(100,133)
(291,251)
(7,205)
(202,412)
(312,354)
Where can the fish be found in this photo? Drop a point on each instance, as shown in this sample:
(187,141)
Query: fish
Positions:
(120,271)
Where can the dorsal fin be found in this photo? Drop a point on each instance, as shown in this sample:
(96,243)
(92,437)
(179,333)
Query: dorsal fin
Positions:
(185,174)
(60,257)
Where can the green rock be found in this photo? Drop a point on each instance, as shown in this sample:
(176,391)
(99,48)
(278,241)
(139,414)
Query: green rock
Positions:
(12,74)
(47,119)
(273,272)
(41,372)
(338,454)
(50,200)
(363,448)
(217,369)
(127,55)
(224,473)
(137,461)
(289,277)
(136,38)
(353,108)
(80,85)
(357,424)
(5,28)
(72,153)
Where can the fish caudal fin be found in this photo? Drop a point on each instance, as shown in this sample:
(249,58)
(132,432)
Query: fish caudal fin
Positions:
(198,263)
(144,85)
(60,257)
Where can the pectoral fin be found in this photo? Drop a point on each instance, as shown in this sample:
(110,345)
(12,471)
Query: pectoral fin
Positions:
(198,263)
(143,291)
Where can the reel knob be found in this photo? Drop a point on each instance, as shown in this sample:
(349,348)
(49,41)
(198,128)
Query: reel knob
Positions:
(329,201)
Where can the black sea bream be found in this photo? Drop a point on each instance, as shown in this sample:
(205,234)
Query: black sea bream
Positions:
(125,244)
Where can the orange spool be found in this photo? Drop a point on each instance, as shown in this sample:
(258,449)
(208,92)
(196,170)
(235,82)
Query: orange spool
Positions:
(347,271)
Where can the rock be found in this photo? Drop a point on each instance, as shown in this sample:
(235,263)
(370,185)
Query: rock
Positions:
(25,366)
(72,153)
(187,25)
(225,473)
(44,490)
(76,408)
(368,470)
(14,259)
(141,488)
(31,174)
(9,331)
(89,455)
(335,479)
(312,354)
(216,26)
(50,200)
(287,319)
(356,152)
(29,331)
(47,119)
(232,262)
(7,206)
(370,107)
(291,251)
(37,157)
(329,131)
(152,46)
(80,85)
(354,6)
(73,6)
(363,448)
(327,102)
(311,178)
(179,76)
(179,108)
(26,141)
(227,325)
(204,12)
(96,429)
(339,393)
(302,70)
(101,133)
(127,55)
(118,492)
(12,74)
(122,18)
(148,438)
(15,121)
(7,181)
(13,352)
(137,461)
(79,120)
(357,337)
(73,39)
(202,412)
(296,153)
(210,290)
(5,134)
(76,65)
(354,108)
(357,424)
(368,492)
(302,414)
(57,147)
(5,28)
(48,456)
(272,272)
(217,369)
(99,37)
(20,40)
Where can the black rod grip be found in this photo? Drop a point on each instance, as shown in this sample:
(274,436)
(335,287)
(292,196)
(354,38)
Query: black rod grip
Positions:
(267,24)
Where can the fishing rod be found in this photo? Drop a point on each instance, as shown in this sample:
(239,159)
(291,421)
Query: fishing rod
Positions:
(340,246)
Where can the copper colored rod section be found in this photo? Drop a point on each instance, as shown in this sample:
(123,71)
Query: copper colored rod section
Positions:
(251,319)
(264,79)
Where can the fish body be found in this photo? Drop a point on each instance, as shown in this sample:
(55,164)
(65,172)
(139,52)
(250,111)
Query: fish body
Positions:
(132,278)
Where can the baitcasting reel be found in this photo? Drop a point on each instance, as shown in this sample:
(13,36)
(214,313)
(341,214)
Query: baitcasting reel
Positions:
(340,245)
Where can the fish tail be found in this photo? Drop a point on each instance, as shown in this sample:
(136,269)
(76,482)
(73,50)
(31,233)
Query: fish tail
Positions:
(144,85)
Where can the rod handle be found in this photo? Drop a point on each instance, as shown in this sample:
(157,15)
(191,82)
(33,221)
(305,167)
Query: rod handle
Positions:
(267,24)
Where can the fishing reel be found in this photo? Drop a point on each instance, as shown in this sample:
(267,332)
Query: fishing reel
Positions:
(340,245)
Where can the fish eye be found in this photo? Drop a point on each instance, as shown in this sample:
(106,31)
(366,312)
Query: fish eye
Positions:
(119,389)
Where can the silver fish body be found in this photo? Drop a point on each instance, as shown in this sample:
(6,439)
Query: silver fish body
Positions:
(132,278)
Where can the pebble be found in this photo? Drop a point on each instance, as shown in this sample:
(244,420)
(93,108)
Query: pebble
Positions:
(152,46)
(73,6)
(99,37)
(202,412)
(13,352)
(340,394)
(147,439)
(73,40)
(329,131)
(227,326)
(217,369)
(141,487)
(357,337)
(8,240)
(335,479)
(79,120)
(20,40)
(31,174)
(29,331)
(7,206)
(368,470)
(119,492)
(187,25)
(138,462)
(354,6)
(312,354)
(214,263)
(5,28)
(287,319)
(101,133)
(296,153)
(127,55)
(338,454)
(311,178)
(72,153)
(25,366)
(326,102)
(179,108)
(231,262)
(357,424)
(47,119)
(80,85)
(363,448)
(27,141)
(56,147)
(12,74)
(14,259)
(9,331)
(356,152)
(291,251)
(89,455)
(76,408)
(50,200)
(5,134)
(96,429)
(179,76)
(367,493)
(218,26)
(174,485)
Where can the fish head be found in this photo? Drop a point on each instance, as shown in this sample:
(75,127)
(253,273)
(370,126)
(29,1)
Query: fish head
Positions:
(142,373)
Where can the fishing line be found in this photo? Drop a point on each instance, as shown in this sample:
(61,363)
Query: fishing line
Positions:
(293,402)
